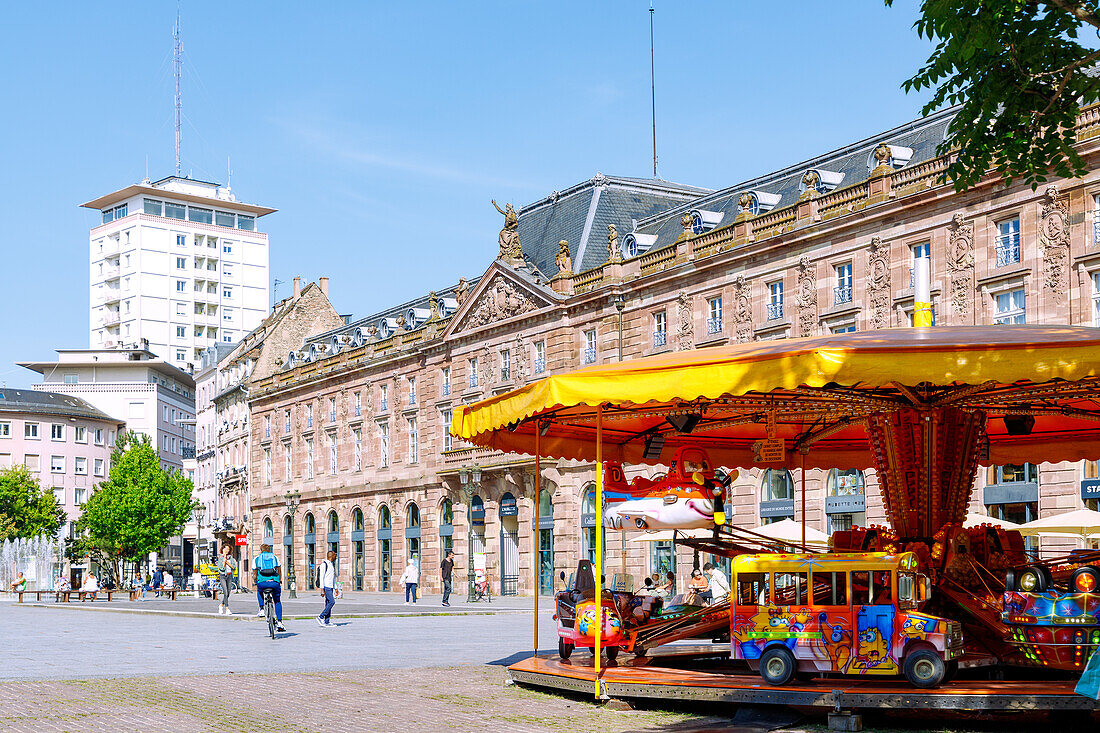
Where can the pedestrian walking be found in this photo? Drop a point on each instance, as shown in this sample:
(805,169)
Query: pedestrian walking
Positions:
(445,569)
(719,585)
(326,581)
(225,579)
(411,579)
(158,581)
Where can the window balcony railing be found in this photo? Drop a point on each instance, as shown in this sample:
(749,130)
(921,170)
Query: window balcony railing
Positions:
(714,325)
(412,400)
(187,452)
(660,338)
(540,365)
(267,433)
(775,311)
(446,389)
(332,416)
(309,422)
(588,356)
(505,375)
(383,405)
(1008,253)
(473,381)
(842,294)
(358,410)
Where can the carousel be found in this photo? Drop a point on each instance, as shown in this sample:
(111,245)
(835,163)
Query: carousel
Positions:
(924,407)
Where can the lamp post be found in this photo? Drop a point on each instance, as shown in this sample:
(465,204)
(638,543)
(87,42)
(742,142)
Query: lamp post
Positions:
(619,301)
(200,512)
(470,480)
(292,499)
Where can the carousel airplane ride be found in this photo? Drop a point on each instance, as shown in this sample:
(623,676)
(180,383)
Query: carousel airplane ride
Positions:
(924,407)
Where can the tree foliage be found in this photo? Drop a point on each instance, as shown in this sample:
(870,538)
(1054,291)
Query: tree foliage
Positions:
(1020,73)
(137,508)
(26,509)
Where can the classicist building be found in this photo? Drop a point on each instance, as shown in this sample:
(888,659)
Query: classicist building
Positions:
(824,246)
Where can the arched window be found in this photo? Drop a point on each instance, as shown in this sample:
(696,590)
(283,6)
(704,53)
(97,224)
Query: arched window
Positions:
(311,551)
(446,527)
(412,532)
(546,504)
(776,495)
(334,533)
(269,530)
(358,549)
(357,520)
(385,564)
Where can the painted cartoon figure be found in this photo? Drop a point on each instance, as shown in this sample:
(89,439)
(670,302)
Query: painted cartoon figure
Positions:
(587,622)
(838,642)
(917,627)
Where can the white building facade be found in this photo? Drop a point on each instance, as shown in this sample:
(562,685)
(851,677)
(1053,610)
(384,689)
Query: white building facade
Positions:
(177,263)
(152,396)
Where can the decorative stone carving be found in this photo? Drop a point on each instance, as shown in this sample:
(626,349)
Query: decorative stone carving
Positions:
(499,301)
(810,179)
(687,223)
(806,300)
(401,324)
(508,239)
(433,306)
(960,264)
(1054,243)
(487,365)
(745,202)
(519,360)
(563,260)
(878,283)
(372,332)
(685,338)
(462,292)
(613,254)
(882,155)
(600,180)
(742,310)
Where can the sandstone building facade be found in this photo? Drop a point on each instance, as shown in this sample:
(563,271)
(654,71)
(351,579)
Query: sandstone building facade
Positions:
(823,246)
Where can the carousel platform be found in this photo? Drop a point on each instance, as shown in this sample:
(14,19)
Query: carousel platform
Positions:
(645,679)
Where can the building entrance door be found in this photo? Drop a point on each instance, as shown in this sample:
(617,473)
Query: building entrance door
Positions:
(509,556)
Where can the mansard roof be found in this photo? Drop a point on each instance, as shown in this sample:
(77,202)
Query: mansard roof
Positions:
(50,404)
(580,215)
(921,136)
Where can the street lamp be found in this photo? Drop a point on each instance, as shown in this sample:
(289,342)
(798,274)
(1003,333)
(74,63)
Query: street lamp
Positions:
(470,480)
(200,512)
(292,498)
(619,301)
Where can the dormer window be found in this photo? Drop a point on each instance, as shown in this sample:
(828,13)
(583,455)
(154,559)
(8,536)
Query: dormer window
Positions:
(636,243)
(892,156)
(757,202)
(819,180)
(416,316)
(703,220)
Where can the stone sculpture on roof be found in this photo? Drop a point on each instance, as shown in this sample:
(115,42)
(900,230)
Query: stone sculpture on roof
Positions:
(508,239)
(613,253)
(563,260)
(462,291)
(882,155)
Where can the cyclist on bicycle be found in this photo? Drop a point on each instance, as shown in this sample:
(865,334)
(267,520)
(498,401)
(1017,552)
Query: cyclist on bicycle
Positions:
(266,575)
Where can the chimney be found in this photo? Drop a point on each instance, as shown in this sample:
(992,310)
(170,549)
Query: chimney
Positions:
(323,282)
(297,286)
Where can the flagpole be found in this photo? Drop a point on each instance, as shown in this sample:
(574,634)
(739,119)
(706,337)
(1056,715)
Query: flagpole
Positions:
(535,534)
(599,543)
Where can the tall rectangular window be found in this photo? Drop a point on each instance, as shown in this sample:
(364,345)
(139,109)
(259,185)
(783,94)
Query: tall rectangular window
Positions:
(286,461)
(181,263)
(181,240)
(57,432)
(414,441)
(383,398)
(309,458)
(916,252)
(540,357)
(332,409)
(714,315)
(412,391)
(267,466)
(357,435)
(1008,242)
(358,409)
(505,365)
(286,421)
(1010,307)
(473,372)
(660,329)
(588,356)
(332,453)
(1096,299)
(775,300)
(842,293)
(309,416)
(181,332)
(445,388)
(383,444)
(448,440)
(98,436)
(181,286)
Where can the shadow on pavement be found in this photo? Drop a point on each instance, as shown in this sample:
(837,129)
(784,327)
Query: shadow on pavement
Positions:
(510,660)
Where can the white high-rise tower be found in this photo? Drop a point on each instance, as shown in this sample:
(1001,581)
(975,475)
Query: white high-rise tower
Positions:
(177,265)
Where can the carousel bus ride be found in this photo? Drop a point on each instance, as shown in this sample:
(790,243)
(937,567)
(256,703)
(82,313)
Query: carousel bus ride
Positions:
(853,614)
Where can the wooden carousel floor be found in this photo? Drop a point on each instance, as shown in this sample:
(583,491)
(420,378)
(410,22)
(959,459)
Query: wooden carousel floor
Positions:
(644,679)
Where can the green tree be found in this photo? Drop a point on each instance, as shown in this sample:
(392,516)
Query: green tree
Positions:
(1020,74)
(136,509)
(26,510)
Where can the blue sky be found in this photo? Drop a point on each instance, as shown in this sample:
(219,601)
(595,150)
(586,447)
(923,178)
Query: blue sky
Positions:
(382,130)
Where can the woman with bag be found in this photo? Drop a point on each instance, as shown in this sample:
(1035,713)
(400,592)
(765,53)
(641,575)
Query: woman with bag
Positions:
(411,578)
(225,579)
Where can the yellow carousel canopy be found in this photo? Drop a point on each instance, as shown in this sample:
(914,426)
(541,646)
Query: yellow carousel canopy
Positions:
(1036,386)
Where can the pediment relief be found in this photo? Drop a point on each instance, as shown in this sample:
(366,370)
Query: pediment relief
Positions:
(502,298)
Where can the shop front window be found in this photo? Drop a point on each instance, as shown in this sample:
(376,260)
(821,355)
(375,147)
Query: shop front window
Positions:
(311,552)
(546,542)
(776,496)
(845,503)
(385,530)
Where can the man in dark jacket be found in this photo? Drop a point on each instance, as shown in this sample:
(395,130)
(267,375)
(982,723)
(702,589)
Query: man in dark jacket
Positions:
(445,569)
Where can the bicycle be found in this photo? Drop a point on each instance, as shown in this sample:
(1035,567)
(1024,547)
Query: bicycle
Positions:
(269,611)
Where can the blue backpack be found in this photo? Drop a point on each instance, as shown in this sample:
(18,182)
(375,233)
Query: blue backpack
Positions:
(268,566)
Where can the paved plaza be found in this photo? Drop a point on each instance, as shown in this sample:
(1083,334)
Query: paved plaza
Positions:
(95,668)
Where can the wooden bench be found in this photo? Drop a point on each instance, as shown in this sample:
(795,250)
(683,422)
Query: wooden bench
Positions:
(87,595)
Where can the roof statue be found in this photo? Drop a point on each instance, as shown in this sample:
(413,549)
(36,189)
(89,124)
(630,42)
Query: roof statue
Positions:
(508,239)
(433,306)
(613,253)
(462,292)
(882,155)
(564,262)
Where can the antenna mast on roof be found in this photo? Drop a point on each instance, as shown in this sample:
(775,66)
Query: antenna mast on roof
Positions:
(652,89)
(177,64)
